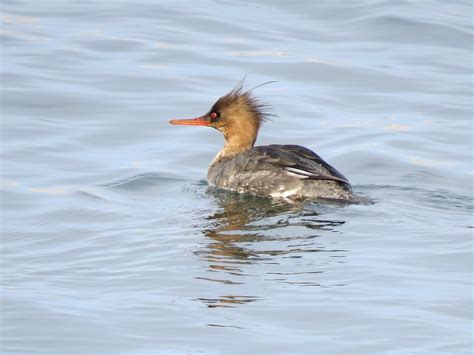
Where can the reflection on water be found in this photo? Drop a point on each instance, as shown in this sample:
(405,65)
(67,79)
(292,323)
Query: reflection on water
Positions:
(227,301)
(247,230)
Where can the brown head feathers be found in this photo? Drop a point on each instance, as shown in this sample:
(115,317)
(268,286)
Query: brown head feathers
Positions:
(238,115)
(243,102)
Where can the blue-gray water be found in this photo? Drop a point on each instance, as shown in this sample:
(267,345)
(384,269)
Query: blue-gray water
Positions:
(112,242)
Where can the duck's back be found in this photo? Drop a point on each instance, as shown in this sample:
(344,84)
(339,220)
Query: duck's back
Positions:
(280,171)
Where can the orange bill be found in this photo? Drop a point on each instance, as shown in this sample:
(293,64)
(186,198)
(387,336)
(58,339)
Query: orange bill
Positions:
(198,121)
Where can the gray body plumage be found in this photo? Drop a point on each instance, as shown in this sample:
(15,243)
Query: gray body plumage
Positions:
(290,172)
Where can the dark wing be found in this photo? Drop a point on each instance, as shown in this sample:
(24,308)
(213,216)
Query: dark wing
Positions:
(300,161)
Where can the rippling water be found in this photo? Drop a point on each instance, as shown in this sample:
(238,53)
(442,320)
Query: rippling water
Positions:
(112,241)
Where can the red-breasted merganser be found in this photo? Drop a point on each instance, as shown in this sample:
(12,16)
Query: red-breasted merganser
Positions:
(289,172)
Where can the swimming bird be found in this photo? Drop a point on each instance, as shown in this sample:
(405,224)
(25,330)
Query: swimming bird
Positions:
(289,172)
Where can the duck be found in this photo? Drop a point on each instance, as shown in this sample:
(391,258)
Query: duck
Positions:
(278,171)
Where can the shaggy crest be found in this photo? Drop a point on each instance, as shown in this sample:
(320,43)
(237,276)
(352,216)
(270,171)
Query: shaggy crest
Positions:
(245,100)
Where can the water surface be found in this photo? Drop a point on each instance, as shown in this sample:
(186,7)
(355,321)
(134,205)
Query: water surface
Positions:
(112,242)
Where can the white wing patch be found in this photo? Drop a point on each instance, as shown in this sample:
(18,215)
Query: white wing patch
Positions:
(300,174)
(303,174)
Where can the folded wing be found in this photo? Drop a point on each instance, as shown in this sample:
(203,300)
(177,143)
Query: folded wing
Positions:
(297,161)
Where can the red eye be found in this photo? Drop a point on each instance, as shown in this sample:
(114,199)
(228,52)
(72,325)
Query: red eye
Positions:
(213,115)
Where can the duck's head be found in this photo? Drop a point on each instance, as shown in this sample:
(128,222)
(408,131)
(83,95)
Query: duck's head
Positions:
(238,115)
